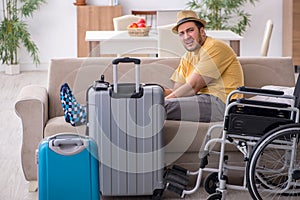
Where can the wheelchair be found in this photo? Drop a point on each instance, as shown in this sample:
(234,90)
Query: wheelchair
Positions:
(266,133)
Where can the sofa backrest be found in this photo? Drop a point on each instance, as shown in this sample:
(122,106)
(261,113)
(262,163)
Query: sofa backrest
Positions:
(261,71)
(80,73)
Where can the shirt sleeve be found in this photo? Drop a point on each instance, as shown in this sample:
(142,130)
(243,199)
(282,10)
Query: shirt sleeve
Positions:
(179,73)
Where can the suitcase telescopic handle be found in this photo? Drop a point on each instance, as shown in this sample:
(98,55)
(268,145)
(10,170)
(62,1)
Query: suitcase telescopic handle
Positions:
(137,63)
(126,60)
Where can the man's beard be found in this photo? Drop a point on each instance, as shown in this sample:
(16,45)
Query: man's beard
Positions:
(195,46)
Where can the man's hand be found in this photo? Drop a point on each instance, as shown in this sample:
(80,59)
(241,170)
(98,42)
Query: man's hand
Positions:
(168,91)
(192,87)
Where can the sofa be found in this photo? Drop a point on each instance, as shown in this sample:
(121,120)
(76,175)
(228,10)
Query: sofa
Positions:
(41,114)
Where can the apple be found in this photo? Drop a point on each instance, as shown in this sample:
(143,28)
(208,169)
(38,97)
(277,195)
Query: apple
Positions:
(141,20)
(133,25)
(141,25)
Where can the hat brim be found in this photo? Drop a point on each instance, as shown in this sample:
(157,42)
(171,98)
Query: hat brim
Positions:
(189,19)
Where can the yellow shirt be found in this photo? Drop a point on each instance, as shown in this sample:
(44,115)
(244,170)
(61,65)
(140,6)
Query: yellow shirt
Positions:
(216,60)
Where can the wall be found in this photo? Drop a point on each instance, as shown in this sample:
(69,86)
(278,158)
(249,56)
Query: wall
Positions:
(53,27)
(54,30)
(264,10)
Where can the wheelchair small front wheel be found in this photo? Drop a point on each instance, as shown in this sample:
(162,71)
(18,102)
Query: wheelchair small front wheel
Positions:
(215,196)
(211,182)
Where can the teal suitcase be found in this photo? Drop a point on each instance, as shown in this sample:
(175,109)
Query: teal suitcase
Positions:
(68,168)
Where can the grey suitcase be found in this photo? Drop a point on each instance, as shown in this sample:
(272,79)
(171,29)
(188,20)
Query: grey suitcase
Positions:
(126,120)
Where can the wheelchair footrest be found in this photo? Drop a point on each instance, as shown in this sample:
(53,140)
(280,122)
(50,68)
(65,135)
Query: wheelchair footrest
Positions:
(177,176)
(176,179)
(176,188)
(179,169)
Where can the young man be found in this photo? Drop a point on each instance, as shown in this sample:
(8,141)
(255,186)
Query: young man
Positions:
(207,73)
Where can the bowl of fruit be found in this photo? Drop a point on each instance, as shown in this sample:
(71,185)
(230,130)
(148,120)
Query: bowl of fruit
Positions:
(138,28)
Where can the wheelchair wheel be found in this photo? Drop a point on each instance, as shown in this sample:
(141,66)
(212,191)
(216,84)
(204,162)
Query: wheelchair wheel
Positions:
(273,170)
(215,196)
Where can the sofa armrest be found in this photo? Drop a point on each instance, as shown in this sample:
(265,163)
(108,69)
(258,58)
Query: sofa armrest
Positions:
(32,108)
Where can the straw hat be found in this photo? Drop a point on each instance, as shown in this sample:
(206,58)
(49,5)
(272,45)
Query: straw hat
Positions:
(186,16)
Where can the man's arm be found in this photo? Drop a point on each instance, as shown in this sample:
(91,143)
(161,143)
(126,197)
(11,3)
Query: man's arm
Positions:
(195,83)
(169,91)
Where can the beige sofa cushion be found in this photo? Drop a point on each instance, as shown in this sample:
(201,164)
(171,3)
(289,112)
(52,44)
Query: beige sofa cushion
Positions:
(59,125)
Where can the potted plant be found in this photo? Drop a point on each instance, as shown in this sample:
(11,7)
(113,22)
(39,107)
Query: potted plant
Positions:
(14,32)
(223,14)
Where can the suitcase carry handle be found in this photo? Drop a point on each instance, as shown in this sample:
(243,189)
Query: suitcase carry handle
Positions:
(61,142)
(67,144)
(136,61)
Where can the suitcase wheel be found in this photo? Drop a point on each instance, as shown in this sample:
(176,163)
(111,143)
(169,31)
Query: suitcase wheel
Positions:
(157,194)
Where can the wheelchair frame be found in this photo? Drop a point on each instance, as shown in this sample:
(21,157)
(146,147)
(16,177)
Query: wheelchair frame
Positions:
(244,143)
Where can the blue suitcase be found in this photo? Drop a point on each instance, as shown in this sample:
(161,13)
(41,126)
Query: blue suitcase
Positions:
(68,168)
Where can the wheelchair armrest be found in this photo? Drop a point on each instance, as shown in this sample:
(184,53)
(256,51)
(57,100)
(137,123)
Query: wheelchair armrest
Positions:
(260,91)
(263,103)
